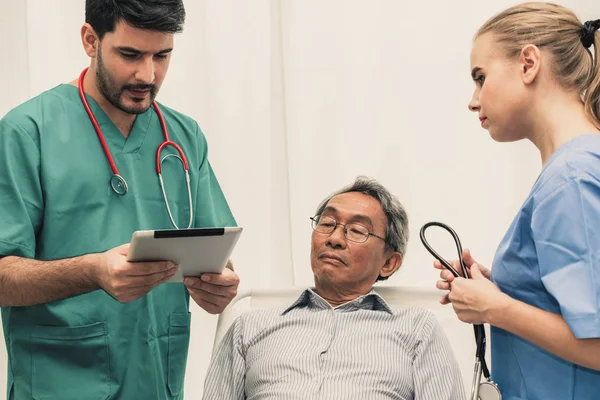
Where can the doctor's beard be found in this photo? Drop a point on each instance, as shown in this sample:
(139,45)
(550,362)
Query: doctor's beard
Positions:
(110,90)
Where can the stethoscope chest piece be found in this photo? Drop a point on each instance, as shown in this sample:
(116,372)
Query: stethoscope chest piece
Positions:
(118,184)
(489,391)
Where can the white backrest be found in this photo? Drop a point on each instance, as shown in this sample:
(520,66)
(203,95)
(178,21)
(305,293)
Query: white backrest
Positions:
(460,335)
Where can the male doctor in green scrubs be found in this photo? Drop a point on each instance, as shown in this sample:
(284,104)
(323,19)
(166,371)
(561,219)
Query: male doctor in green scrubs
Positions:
(80,322)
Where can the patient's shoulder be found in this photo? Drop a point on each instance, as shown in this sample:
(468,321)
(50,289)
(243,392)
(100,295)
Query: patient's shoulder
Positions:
(413,313)
(261,315)
(414,320)
(254,324)
(252,320)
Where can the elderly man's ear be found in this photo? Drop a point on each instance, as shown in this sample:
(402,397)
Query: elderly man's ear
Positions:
(392,263)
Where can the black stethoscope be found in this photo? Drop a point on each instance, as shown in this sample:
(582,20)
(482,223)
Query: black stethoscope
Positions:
(487,390)
(117,182)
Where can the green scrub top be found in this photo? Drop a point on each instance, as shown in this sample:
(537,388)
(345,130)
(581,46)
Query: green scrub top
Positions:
(56,202)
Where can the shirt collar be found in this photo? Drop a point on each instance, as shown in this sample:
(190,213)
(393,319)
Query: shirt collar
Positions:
(370,301)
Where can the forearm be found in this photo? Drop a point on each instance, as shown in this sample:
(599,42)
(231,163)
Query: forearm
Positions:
(26,282)
(546,330)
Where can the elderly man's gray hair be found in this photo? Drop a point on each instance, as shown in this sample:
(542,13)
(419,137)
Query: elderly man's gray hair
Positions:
(396,236)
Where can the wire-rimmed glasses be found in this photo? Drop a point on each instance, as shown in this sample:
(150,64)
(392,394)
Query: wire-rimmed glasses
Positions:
(354,232)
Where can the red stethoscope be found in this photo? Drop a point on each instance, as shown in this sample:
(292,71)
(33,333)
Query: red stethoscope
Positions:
(117,182)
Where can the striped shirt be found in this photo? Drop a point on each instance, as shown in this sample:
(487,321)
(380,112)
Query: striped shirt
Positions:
(358,350)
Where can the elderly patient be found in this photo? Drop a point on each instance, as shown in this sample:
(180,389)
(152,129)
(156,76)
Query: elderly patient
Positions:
(341,340)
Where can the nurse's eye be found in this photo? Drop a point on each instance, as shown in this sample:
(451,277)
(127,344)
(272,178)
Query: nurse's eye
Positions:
(479,79)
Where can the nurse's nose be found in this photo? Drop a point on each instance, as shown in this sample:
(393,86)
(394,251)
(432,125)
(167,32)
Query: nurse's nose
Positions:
(474,103)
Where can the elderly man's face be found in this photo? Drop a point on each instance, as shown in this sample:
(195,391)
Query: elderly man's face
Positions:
(337,261)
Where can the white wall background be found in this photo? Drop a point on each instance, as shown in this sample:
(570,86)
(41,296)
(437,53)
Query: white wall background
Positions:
(296,99)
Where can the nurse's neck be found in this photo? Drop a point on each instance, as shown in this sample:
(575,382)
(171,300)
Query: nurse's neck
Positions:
(558,116)
(122,120)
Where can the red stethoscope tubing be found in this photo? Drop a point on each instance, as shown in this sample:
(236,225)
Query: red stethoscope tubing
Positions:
(163,125)
(118,183)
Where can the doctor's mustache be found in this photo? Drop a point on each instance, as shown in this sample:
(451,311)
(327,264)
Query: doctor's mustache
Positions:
(152,88)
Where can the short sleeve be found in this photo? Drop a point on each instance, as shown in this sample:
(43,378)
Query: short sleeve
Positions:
(566,233)
(212,209)
(21,199)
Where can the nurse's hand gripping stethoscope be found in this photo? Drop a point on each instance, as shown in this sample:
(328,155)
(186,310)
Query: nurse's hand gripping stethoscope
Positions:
(117,182)
(487,390)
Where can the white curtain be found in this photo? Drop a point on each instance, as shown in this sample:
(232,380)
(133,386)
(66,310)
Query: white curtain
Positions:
(299,97)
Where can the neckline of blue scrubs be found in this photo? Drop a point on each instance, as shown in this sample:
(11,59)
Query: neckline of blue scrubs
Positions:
(571,143)
(112,134)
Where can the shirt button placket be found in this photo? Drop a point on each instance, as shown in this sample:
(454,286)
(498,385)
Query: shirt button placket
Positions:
(324,356)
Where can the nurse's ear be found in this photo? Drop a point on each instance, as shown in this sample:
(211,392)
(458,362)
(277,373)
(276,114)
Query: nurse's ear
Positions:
(89,39)
(530,61)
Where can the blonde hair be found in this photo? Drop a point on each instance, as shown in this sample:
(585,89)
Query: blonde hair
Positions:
(558,30)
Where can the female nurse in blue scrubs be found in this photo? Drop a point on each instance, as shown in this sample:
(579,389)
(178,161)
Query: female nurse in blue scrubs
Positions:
(537,77)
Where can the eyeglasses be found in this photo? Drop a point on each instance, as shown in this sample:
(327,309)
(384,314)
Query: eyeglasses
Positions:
(353,232)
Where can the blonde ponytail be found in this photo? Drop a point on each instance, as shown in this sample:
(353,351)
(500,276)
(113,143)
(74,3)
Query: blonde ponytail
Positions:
(592,94)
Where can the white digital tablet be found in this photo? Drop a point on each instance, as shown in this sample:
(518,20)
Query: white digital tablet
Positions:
(196,250)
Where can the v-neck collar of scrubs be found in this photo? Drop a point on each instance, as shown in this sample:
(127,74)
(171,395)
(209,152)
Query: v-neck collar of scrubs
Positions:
(112,135)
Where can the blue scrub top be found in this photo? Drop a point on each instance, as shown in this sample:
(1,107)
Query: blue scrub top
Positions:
(550,258)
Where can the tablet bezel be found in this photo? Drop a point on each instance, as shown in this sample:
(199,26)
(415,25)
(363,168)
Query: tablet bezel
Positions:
(195,250)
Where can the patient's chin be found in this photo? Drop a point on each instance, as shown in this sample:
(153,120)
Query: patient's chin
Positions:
(326,272)
(330,265)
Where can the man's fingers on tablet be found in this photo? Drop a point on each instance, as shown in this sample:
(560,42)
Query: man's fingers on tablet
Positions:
(226,278)
(167,276)
(217,300)
(217,290)
(211,303)
(151,268)
(211,308)
(133,284)
(154,279)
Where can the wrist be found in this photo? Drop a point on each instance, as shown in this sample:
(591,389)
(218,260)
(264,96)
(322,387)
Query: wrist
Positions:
(94,264)
(502,310)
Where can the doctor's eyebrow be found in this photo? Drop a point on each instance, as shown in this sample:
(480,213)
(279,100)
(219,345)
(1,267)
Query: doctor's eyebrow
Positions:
(474,72)
(132,50)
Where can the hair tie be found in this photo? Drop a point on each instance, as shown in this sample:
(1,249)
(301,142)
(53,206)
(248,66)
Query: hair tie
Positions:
(588,32)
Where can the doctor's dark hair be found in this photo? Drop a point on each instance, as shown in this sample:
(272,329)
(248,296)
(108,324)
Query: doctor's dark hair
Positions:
(557,30)
(396,236)
(156,15)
